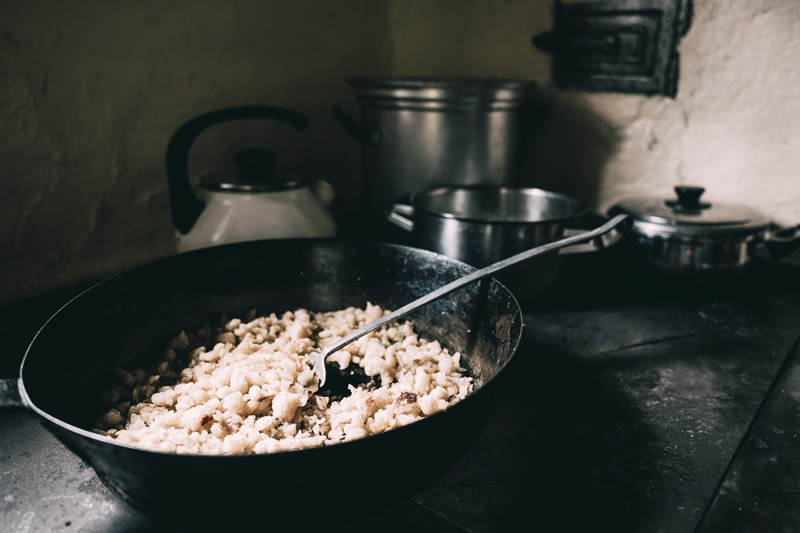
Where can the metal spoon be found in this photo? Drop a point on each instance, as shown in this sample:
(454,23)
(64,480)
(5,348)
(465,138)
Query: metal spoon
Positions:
(317,359)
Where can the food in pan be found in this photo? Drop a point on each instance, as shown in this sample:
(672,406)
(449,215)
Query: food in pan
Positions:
(246,387)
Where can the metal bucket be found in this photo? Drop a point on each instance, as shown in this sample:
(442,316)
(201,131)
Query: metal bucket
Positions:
(418,133)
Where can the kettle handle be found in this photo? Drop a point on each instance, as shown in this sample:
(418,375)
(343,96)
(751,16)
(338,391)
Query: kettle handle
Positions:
(186,206)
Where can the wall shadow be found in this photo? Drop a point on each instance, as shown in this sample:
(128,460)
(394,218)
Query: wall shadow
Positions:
(568,147)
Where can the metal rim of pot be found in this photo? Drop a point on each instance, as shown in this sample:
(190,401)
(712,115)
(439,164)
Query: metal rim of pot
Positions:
(465,94)
(570,208)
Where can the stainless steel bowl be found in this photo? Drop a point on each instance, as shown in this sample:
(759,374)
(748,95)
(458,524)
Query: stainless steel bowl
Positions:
(483,224)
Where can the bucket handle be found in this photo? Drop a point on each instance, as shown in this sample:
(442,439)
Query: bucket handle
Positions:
(364,134)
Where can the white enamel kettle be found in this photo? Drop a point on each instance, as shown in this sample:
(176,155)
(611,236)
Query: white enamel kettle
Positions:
(249,205)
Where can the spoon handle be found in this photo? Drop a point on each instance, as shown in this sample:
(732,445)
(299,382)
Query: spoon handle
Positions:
(319,360)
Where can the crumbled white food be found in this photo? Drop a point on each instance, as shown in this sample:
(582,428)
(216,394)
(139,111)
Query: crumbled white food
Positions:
(247,387)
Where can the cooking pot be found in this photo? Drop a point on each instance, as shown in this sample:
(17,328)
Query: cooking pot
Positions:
(688,238)
(249,204)
(127,321)
(482,224)
(420,132)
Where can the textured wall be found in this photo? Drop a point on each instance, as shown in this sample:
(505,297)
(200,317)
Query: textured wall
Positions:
(90,93)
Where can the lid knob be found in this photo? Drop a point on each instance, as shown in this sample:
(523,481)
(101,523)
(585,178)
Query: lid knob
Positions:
(688,200)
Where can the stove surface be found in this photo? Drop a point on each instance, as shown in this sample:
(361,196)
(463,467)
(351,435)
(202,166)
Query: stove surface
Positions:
(630,406)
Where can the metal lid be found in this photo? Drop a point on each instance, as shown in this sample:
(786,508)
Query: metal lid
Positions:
(256,174)
(690,217)
(441,93)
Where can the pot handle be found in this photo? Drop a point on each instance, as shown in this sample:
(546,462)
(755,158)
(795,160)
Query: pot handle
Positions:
(783,242)
(9,393)
(600,242)
(186,206)
(398,215)
(364,134)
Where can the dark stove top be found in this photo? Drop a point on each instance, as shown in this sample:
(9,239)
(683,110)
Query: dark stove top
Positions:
(630,406)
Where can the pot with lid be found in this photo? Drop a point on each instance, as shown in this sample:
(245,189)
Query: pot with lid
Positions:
(249,204)
(689,237)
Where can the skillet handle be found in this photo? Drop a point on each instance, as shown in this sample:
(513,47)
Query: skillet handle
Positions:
(9,393)
(366,135)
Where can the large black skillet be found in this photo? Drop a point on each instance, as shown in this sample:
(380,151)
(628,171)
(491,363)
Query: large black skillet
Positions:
(129,319)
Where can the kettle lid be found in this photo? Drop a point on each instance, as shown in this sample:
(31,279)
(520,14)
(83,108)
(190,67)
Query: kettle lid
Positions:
(256,174)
